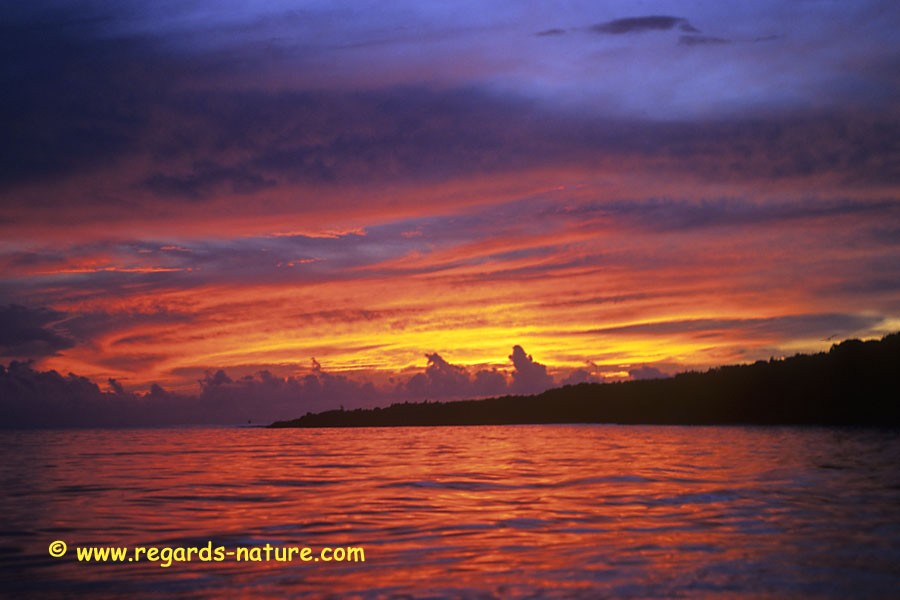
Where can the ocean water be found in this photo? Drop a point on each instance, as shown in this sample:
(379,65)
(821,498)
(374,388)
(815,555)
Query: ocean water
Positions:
(563,511)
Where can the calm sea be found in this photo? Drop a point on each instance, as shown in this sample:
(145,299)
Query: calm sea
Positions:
(479,512)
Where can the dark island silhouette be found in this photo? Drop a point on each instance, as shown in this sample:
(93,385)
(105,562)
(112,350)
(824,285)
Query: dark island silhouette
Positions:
(855,383)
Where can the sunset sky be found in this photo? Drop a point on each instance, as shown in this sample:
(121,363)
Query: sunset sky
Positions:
(620,188)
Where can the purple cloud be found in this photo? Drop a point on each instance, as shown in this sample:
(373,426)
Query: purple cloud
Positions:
(642,24)
(529,376)
(31,398)
(31,333)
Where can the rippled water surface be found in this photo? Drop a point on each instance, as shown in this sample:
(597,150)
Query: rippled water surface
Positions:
(518,511)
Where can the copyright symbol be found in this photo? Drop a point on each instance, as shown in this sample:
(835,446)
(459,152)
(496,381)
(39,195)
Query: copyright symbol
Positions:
(58,548)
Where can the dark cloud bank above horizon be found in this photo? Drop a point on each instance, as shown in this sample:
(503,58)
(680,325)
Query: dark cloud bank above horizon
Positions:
(34,399)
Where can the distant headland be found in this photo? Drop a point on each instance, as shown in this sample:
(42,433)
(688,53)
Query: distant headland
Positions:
(854,383)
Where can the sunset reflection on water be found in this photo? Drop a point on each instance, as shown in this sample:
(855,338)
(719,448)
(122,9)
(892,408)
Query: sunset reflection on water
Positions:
(481,511)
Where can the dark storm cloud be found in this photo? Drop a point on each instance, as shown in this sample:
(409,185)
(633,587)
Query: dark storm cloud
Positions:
(416,134)
(205,178)
(82,90)
(30,332)
(333,137)
(70,92)
(642,24)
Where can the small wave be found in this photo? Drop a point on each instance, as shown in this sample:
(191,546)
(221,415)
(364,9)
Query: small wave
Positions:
(449,485)
(300,483)
(524,523)
(204,498)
